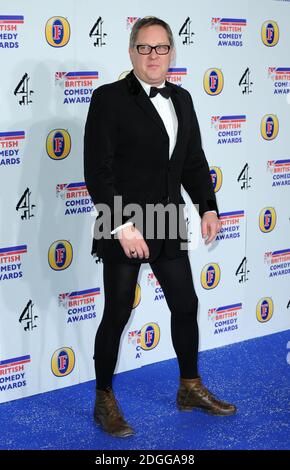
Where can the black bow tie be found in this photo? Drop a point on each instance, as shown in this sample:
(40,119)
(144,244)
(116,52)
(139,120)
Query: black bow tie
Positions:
(165,92)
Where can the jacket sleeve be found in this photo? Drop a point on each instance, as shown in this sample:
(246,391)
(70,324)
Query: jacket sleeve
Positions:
(196,178)
(99,151)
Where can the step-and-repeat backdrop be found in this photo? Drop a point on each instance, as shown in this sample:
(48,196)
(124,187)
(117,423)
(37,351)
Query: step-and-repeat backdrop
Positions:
(234,59)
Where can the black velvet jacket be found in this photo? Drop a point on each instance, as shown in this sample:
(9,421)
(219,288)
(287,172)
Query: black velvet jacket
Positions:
(126,153)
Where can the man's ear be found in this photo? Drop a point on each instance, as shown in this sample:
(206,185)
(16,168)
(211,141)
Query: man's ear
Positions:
(130,50)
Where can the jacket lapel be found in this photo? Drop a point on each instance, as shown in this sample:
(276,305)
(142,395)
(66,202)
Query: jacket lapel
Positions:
(177,103)
(144,102)
(148,107)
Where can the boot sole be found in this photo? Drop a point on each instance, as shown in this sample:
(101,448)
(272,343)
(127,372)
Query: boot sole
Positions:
(191,408)
(127,434)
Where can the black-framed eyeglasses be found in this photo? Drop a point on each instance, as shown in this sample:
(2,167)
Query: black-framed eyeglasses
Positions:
(161,49)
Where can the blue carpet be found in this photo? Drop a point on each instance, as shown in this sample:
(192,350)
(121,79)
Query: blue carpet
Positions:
(252,374)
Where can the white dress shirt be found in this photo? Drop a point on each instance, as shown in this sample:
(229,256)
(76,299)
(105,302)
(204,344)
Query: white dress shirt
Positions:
(167,113)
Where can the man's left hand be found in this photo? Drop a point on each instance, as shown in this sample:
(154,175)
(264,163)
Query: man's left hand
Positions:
(210,226)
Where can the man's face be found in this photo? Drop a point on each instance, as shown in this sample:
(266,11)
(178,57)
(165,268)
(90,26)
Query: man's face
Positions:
(151,68)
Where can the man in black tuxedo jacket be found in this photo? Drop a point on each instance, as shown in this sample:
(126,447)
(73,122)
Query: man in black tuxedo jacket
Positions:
(142,141)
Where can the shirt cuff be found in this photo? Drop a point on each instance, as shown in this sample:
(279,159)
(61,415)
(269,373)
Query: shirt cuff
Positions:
(120,227)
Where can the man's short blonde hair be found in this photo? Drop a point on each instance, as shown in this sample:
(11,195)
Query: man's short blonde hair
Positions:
(144,23)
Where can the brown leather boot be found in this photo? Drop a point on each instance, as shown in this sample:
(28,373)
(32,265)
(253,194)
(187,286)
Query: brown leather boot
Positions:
(108,415)
(193,394)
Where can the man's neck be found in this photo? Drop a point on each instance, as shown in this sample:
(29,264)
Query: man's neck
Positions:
(146,84)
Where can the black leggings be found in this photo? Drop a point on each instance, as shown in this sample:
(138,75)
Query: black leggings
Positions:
(175,278)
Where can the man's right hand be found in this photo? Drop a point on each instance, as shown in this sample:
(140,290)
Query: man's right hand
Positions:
(133,243)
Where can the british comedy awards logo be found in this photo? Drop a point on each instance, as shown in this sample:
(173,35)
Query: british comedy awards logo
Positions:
(13,373)
(79,305)
(11,262)
(228,128)
(229,31)
(281,79)
(75,197)
(11,144)
(280,172)
(176,74)
(76,87)
(225,319)
(231,225)
(130,21)
(278,262)
(9,31)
